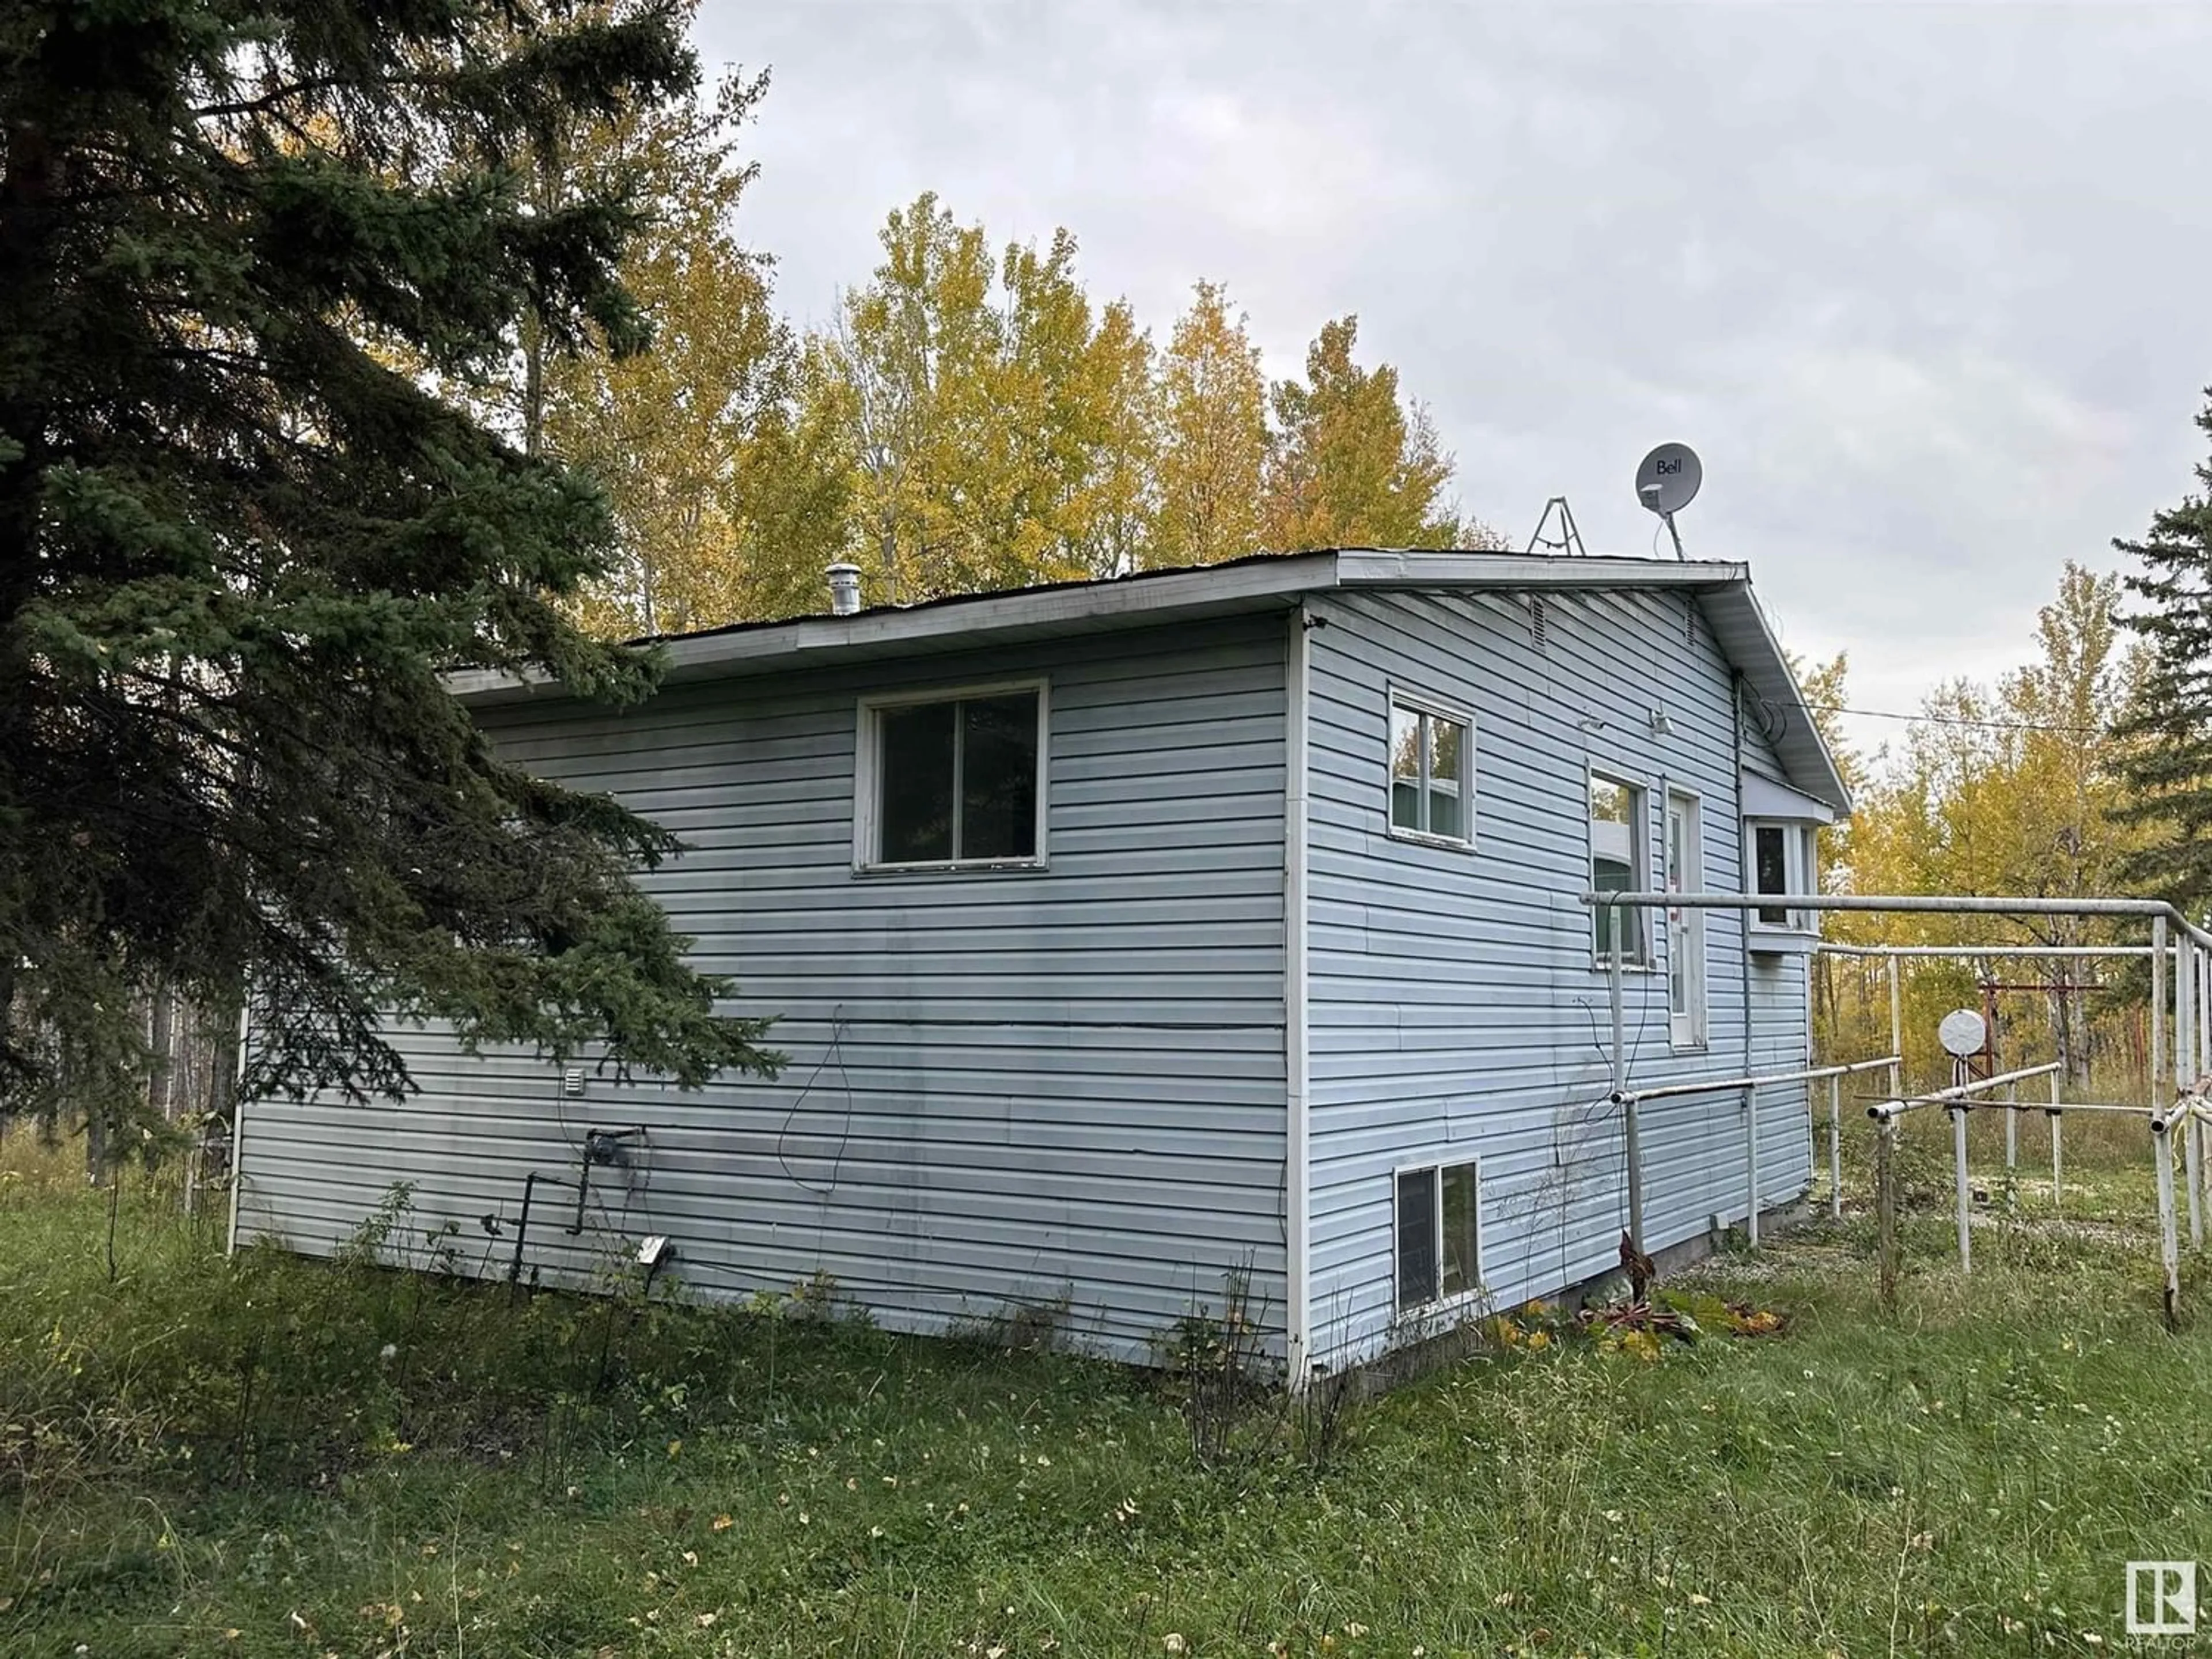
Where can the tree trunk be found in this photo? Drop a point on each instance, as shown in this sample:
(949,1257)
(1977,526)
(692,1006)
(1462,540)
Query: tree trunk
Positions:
(220,1025)
(95,1146)
(160,1041)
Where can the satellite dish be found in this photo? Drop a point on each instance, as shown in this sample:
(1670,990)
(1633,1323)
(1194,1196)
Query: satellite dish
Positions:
(1963,1032)
(1668,480)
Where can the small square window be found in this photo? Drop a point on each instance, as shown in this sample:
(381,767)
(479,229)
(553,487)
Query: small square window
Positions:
(1617,844)
(952,780)
(1431,774)
(1438,1234)
(1770,863)
(1783,859)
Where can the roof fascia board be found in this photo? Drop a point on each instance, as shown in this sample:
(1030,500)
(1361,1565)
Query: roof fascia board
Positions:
(1242,586)
(1285,577)
(700,655)
(1373,567)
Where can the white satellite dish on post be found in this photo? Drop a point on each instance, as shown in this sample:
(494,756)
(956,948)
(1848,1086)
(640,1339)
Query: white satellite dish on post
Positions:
(1963,1033)
(1667,481)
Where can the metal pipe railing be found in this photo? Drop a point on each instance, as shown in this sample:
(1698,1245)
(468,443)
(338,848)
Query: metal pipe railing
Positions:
(1810,1074)
(1906,904)
(1630,1100)
(1958,1093)
(1886,952)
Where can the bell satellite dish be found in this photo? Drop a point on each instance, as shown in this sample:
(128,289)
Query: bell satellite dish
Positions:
(1962,1033)
(1667,481)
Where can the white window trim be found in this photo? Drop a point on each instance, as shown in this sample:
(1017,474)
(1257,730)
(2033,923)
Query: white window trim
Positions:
(1639,878)
(1699,1035)
(1476,1294)
(867,769)
(1416,702)
(1800,851)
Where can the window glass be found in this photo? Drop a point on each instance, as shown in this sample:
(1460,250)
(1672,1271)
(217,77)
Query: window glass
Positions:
(1771,868)
(1417,1238)
(1616,813)
(1446,787)
(997,778)
(956,779)
(1678,958)
(1459,1270)
(1686,926)
(915,806)
(1429,758)
(1405,768)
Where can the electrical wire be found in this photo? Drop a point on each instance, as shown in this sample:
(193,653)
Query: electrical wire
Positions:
(1959,720)
(835,1052)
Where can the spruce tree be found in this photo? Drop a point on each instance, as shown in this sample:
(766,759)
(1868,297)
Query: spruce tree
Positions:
(2166,750)
(241,551)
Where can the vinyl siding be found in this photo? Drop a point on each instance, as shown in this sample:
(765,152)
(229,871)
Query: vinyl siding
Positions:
(1005,1089)
(1456,1012)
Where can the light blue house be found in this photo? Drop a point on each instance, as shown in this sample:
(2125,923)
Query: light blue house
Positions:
(1130,937)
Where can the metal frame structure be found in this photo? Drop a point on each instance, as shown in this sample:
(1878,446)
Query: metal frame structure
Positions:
(2178,1075)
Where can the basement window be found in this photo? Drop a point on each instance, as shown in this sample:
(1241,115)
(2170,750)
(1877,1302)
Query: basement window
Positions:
(1438,1234)
(951,782)
(1431,773)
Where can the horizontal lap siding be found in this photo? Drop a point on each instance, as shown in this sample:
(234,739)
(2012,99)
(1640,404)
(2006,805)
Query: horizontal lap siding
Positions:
(1454,1011)
(1003,1089)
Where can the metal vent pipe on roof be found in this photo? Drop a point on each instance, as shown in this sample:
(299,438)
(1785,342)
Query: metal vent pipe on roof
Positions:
(844,589)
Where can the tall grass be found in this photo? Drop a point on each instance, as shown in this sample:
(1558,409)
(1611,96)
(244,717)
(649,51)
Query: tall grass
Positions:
(221,1456)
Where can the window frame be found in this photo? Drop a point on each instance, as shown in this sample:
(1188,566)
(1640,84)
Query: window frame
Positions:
(1436,1164)
(1645,959)
(868,777)
(1800,872)
(1428,708)
(1690,1031)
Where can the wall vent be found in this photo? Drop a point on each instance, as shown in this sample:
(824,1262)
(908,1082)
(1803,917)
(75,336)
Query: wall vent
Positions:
(1538,622)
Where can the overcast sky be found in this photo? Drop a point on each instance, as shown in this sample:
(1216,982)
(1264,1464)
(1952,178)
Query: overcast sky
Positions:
(1925,286)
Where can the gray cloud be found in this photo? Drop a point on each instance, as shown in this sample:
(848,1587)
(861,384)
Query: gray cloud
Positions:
(1922,284)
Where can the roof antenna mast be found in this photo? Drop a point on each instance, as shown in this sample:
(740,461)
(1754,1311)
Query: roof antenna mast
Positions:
(1565,538)
(1667,481)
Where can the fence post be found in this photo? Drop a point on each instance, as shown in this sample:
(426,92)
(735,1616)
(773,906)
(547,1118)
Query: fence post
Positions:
(1836,1147)
(1631,1147)
(2203,1011)
(2192,1153)
(2012,1145)
(1966,1188)
(2057,1144)
(1896,1030)
(2157,1057)
(1632,1130)
(2169,1244)
(1885,1202)
(2184,1078)
(1750,1164)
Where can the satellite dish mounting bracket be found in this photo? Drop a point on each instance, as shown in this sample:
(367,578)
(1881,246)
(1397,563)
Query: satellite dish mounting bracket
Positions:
(1567,539)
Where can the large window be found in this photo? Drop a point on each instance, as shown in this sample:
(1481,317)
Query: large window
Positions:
(1438,1233)
(1431,773)
(1685,928)
(952,780)
(1617,843)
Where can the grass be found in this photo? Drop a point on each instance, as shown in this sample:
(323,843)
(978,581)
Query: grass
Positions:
(221,1456)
